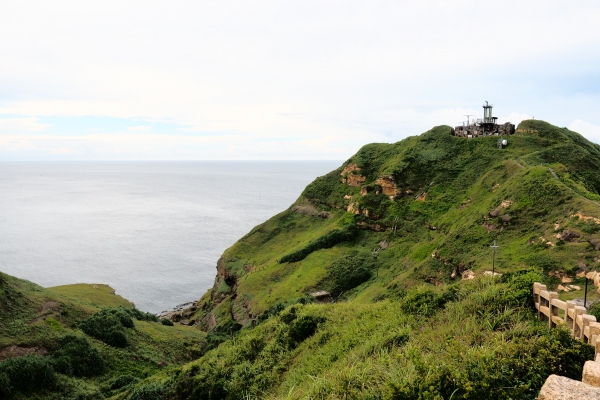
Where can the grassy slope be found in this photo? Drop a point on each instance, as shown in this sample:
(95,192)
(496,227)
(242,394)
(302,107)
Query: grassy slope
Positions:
(471,178)
(477,341)
(392,337)
(31,316)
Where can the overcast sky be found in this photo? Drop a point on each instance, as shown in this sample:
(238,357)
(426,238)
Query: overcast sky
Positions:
(147,80)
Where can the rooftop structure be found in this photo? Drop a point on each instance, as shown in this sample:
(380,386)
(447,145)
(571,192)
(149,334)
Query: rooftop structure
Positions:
(484,127)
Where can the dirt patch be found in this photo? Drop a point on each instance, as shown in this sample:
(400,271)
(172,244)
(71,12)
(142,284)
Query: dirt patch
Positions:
(309,209)
(16,351)
(50,306)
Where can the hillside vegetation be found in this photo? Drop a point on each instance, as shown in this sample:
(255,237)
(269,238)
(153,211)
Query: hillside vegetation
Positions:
(537,198)
(400,236)
(82,342)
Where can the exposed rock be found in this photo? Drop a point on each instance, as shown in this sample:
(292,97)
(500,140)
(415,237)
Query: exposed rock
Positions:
(453,275)
(422,197)
(591,373)
(311,210)
(16,351)
(490,273)
(489,227)
(347,197)
(506,218)
(353,208)
(322,296)
(467,275)
(464,204)
(595,243)
(568,235)
(185,322)
(561,288)
(371,227)
(462,267)
(574,287)
(586,218)
(388,185)
(384,244)
(556,226)
(505,203)
(350,175)
(494,213)
(355,180)
(561,388)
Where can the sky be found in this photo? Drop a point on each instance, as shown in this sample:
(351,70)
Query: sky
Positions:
(283,80)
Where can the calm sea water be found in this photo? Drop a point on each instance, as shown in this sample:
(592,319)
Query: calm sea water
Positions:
(151,230)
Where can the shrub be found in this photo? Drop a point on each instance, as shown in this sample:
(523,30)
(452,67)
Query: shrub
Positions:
(140,315)
(25,374)
(77,357)
(122,381)
(301,329)
(425,301)
(520,285)
(326,241)
(149,391)
(109,326)
(166,322)
(348,272)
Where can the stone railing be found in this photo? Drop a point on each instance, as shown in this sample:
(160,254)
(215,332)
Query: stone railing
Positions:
(583,326)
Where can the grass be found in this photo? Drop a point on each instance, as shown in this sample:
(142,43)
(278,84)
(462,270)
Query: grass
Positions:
(34,317)
(410,328)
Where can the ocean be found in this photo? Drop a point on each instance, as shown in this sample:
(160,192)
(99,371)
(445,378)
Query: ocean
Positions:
(152,230)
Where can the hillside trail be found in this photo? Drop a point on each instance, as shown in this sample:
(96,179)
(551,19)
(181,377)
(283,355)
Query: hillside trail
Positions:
(574,192)
(561,182)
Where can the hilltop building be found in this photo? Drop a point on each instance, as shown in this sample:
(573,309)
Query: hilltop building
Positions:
(484,127)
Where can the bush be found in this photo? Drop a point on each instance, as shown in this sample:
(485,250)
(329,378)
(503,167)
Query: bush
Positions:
(108,325)
(348,272)
(140,315)
(25,374)
(326,241)
(77,357)
(149,391)
(166,322)
(122,381)
(425,301)
(301,329)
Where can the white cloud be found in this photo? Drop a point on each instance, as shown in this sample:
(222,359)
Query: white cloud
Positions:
(590,131)
(13,125)
(139,128)
(294,71)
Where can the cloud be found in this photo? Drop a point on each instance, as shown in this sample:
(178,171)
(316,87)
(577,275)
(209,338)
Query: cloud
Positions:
(295,72)
(139,128)
(590,131)
(13,125)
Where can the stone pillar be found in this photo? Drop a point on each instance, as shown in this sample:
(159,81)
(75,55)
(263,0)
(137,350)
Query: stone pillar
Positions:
(536,294)
(570,309)
(591,373)
(577,331)
(553,310)
(587,319)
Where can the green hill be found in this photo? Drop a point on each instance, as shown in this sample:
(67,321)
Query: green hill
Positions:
(536,198)
(417,320)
